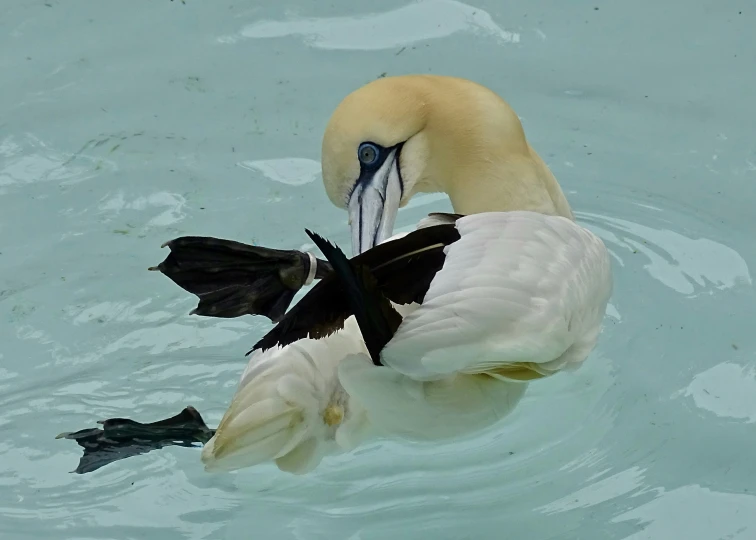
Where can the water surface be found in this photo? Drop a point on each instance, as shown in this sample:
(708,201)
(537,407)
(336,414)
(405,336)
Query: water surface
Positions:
(123,125)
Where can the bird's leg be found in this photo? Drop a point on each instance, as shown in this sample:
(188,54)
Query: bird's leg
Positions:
(232,279)
(120,438)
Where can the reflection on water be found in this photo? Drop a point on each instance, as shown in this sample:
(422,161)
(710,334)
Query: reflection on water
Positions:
(417,21)
(291,171)
(721,515)
(687,265)
(113,205)
(28,159)
(727,390)
(606,489)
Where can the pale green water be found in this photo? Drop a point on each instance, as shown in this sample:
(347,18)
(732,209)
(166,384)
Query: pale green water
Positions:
(124,124)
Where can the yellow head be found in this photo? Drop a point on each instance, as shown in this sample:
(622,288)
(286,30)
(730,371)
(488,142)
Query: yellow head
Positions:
(398,136)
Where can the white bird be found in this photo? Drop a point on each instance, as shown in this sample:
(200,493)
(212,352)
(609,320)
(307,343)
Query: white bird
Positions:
(508,290)
(519,296)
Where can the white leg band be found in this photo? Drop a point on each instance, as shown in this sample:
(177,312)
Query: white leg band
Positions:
(313,269)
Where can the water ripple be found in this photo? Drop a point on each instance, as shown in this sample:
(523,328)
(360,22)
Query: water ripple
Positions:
(114,204)
(291,171)
(726,516)
(727,390)
(30,160)
(687,265)
(108,150)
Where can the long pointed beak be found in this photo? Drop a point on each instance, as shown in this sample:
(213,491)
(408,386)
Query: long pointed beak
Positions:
(374,204)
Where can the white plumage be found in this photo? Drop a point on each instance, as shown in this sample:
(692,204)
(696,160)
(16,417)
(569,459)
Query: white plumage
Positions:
(520,291)
(521,295)
(291,408)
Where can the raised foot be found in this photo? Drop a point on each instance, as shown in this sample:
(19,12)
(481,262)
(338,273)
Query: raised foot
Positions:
(232,279)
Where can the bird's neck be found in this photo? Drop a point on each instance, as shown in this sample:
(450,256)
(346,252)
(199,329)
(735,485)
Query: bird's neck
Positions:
(514,183)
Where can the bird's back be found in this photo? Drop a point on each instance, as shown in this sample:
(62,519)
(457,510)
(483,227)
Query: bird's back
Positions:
(517,288)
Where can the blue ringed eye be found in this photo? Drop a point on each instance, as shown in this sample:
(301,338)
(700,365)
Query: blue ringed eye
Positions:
(368,153)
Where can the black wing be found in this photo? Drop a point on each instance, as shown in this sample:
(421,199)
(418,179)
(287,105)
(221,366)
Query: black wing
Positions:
(402,268)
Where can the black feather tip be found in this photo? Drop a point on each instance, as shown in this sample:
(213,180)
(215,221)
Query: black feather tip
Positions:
(376,317)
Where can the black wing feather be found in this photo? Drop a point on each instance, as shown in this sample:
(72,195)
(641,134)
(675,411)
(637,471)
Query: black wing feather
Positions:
(376,317)
(403,270)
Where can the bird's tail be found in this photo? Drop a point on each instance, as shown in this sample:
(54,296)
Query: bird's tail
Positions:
(289,408)
(375,315)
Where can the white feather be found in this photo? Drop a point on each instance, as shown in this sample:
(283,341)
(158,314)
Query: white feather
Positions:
(290,407)
(427,410)
(520,296)
(519,292)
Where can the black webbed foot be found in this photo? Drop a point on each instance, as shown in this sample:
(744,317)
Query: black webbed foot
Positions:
(232,279)
(120,438)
